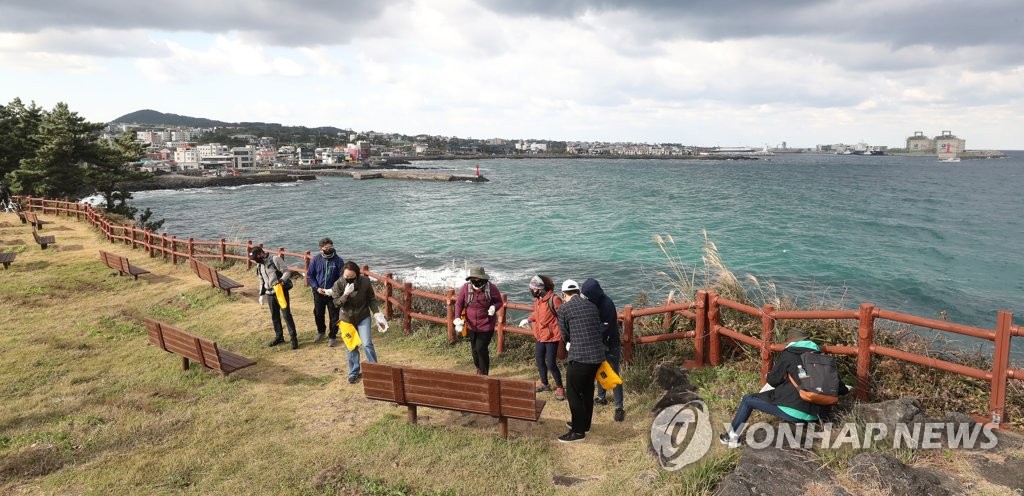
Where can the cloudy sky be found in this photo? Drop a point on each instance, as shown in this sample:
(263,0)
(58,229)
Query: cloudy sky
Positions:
(725,72)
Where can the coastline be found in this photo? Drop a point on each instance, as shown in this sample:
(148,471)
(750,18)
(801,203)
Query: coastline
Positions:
(176,181)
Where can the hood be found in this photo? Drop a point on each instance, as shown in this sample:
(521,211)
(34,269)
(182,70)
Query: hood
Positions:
(592,290)
(802,346)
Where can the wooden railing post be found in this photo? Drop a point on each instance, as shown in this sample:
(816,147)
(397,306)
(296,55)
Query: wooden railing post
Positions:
(700,330)
(449,306)
(224,251)
(407,308)
(1000,364)
(714,321)
(163,246)
(388,294)
(865,339)
(627,334)
(149,244)
(307,257)
(133,238)
(191,247)
(501,323)
(666,322)
(767,331)
(248,250)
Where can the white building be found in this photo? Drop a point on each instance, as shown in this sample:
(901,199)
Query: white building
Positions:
(212,149)
(184,135)
(243,156)
(187,157)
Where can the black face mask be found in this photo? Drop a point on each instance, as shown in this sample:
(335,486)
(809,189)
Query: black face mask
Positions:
(537,293)
(479,284)
(350,281)
(328,253)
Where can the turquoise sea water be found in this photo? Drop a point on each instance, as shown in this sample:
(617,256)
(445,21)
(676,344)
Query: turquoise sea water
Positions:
(907,234)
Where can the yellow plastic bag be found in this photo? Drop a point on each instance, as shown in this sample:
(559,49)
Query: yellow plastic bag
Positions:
(607,377)
(279,292)
(349,335)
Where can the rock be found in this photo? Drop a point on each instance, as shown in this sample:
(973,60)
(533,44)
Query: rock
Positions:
(772,471)
(903,410)
(669,375)
(676,396)
(885,472)
(1008,473)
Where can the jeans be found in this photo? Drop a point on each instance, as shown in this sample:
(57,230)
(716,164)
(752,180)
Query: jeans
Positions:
(613,358)
(546,361)
(275,316)
(323,304)
(371,354)
(580,393)
(751,402)
(479,343)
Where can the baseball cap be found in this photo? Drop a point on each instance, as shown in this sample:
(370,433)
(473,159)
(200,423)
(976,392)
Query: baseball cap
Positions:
(570,285)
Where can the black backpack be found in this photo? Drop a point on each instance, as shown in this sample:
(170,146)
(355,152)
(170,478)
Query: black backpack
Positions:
(818,378)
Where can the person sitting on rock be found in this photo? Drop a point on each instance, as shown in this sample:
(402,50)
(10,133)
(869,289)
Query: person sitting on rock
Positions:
(782,399)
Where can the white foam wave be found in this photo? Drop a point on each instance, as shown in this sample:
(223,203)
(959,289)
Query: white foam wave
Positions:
(451,276)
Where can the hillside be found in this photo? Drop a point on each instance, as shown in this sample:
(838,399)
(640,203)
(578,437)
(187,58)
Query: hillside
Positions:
(156,118)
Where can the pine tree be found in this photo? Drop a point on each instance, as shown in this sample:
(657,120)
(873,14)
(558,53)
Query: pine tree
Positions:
(66,142)
(19,125)
(116,164)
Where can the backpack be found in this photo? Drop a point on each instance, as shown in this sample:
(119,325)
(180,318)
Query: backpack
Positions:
(487,293)
(818,380)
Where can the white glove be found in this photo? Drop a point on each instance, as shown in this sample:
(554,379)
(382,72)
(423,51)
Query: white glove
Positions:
(458,324)
(567,346)
(524,323)
(382,323)
(329,292)
(490,311)
(349,289)
(261,300)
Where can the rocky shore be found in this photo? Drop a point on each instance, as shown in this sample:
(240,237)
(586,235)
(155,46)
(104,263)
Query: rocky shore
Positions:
(177,181)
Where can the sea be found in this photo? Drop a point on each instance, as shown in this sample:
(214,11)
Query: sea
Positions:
(909,234)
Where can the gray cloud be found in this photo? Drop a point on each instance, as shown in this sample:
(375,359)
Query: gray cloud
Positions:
(284,23)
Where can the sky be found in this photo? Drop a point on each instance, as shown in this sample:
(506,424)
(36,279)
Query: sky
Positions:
(698,72)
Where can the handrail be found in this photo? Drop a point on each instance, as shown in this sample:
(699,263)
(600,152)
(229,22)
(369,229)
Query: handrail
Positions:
(705,312)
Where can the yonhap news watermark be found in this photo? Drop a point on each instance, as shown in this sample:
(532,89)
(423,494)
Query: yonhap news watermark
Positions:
(682,434)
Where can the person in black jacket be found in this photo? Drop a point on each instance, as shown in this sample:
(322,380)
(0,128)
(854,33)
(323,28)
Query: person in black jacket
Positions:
(784,400)
(612,342)
(581,327)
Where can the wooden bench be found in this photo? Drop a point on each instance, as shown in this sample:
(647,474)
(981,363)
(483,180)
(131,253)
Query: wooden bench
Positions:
(7,258)
(33,219)
(212,276)
(194,348)
(21,215)
(411,387)
(43,241)
(121,264)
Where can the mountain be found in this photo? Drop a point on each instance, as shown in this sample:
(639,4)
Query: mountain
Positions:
(155,118)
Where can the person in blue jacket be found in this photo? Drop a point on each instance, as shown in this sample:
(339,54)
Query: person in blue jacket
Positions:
(324,270)
(591,289)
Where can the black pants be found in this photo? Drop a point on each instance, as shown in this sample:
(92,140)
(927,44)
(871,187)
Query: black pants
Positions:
(480,342)
(545,357)
(579,378)
(275,316)
(323,304)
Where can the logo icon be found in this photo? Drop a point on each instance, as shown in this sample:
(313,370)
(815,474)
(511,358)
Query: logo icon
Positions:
(681,434)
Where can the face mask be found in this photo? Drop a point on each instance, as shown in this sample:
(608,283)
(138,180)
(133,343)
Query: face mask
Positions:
(537,293)
(350,281)
(328,253)
(478,284)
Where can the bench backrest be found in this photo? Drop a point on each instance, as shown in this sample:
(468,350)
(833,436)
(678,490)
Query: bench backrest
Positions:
(494,396)
(41,240)
(205,272)
(115,261)
(195,348)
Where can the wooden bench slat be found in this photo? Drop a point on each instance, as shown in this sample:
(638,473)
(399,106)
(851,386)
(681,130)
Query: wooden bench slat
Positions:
(212,276)
(196,348)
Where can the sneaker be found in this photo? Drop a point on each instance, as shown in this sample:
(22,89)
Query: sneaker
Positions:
(560,394)
(295,344)
(332,342)
(276,342)
(732,442)
(319,337)
(541,387)
(354,378)
(572,437)
(600,401)
(620,415)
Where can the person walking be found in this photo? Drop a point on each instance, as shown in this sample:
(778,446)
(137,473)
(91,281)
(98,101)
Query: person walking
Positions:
(325,270)
(353,295)
(581,326)
(612,341)
(544,322)
(476,306)
(273,271)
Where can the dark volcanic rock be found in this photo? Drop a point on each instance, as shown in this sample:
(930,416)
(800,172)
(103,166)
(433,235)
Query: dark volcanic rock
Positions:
(1008,473)
(887,473)
(774,471)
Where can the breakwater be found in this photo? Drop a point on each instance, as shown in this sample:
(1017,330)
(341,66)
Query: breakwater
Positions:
(176,181)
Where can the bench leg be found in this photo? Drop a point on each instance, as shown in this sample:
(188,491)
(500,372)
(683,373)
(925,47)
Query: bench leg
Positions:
(503,427)
(412,414)
(184,363)
(43,245)
(6,265)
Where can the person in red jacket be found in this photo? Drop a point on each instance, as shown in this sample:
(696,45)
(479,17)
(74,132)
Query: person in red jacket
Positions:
(544,321)
(477,306)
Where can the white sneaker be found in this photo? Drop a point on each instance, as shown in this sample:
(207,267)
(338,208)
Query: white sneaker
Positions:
(731,440)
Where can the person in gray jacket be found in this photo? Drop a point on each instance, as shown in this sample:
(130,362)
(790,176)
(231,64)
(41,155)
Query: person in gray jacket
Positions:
(353,294)
(272,270)
(581,326)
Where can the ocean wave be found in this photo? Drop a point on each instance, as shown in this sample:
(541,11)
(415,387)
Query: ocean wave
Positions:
(453,276)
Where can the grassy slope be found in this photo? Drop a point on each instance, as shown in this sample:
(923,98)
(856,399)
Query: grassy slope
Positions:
(90,407)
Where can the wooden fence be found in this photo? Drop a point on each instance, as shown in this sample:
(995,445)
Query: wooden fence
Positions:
(705,313)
